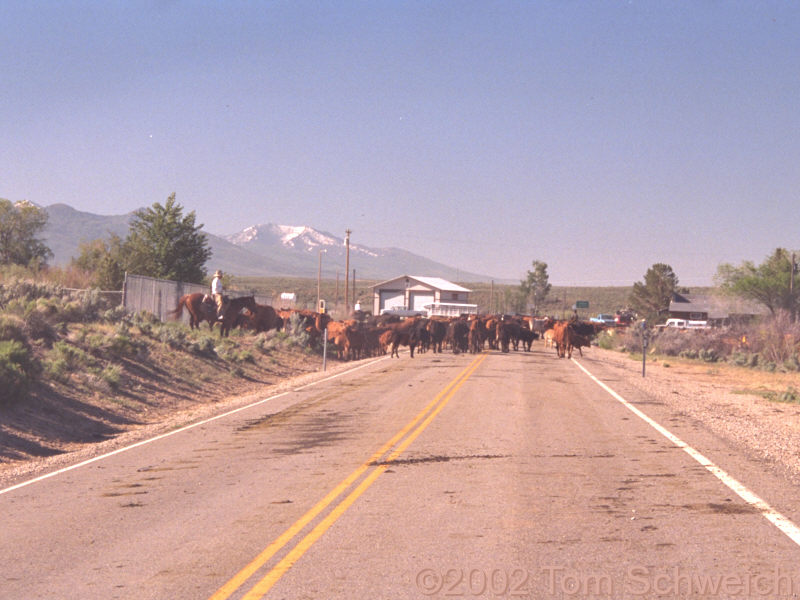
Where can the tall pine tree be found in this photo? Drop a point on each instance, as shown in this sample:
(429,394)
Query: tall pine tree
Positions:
(164,243)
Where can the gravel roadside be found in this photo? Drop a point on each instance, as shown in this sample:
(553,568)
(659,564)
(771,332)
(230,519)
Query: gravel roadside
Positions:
(726,400)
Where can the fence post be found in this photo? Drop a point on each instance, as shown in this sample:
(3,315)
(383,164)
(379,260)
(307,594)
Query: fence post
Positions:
(324,348)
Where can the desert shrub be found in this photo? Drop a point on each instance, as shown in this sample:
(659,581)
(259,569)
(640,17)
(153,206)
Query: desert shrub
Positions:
(296,334)
(630,340)
(146,321)
(708,355)
(17,369)
(608,339)
(173,335)
(91,304)
(116,314)
(38,325)
(791,364)
(111,375)
(269,341)
(202,346)
(775,338)
(742,359)
(671,342)
(11,329)
(73,357)
(57,368)
(245,356)
(122,344)
(25,290)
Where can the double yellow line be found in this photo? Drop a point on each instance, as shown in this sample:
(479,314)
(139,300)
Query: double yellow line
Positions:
(416,426)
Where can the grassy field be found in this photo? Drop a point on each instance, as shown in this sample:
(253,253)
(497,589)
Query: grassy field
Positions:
(497,298)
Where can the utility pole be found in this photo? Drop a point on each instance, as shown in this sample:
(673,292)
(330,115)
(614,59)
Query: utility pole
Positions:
(347,272)
(319,277)
(791,289)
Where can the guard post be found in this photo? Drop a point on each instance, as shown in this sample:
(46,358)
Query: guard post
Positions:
(645,340)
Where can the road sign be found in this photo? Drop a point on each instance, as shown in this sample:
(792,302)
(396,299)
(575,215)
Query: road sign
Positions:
(581,304)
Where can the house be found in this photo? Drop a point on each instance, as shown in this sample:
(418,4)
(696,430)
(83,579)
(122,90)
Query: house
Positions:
(431,295)
(715,310)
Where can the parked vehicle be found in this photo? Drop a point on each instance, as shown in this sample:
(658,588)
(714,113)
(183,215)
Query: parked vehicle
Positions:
(683,324)
(623,318)
(401,311)
(604,319)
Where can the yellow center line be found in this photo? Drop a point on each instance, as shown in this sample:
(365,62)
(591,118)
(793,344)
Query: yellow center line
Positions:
(259,561)
(262,587)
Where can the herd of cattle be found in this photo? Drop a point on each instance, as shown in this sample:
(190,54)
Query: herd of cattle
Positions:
(375,336)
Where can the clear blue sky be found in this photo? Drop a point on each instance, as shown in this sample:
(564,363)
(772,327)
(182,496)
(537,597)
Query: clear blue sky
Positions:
(599,137)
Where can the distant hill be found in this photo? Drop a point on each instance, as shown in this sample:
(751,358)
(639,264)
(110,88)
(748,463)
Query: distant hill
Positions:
(266,250)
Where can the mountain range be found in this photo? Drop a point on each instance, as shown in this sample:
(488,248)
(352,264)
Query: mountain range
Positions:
(266,250)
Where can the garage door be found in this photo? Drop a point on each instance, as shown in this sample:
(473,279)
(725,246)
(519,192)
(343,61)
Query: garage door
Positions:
(418,300)
(391,299)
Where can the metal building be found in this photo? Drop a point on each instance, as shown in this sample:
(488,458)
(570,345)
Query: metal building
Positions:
(429,295)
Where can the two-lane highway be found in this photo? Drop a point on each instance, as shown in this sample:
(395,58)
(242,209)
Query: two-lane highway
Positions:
(488,476)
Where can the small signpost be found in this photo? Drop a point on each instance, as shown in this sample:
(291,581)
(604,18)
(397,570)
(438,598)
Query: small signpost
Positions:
(645,340)
(579,304)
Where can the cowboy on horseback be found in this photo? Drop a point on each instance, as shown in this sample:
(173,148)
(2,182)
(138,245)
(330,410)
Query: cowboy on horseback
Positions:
(216,292)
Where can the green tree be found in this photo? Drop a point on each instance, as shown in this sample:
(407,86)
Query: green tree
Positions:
(770,283)
(20,224)
(535,287)
(105,260)
(651,298)
(164,243)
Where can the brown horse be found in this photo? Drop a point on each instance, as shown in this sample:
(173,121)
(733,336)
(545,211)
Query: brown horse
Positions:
(200,307)
(200,310)
(233,311)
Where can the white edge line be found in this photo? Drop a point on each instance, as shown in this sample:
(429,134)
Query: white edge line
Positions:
(780,521)
(180,430)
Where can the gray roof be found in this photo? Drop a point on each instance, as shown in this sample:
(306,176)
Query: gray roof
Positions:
(716,307)
(433,282)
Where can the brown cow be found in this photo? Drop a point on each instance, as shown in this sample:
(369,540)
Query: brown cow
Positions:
(405,333)
(437,328)
(263,318)
(476,336)
(577,340)
(548,338)
(561,338)
(336,335)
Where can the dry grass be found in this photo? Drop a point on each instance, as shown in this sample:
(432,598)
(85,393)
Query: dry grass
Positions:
(110,394)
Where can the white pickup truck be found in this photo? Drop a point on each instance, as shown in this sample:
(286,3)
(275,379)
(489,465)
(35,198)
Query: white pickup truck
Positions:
(683,324)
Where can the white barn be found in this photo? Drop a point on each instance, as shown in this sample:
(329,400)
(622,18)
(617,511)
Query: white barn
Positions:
(432,295)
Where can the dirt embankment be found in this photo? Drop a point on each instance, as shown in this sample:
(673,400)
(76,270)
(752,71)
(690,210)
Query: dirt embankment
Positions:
(81,416)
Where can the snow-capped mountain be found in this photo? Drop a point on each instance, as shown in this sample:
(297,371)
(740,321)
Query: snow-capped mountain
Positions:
(295,237)
(303,249)
(266,250)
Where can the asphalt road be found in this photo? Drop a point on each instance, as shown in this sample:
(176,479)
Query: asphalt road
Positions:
(491,476)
